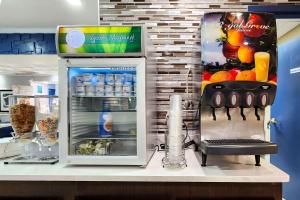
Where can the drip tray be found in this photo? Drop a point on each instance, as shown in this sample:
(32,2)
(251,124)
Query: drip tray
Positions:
(31,160)
(237,147)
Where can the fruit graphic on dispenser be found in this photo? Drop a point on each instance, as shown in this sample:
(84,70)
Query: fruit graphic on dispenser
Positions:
(255,26)
(233,18)
(246,75)
(221,76)
(203,85)
(206,76)
(235,37)
(273,79)
(246,54)
(272,82)
(229,51)
(234,72)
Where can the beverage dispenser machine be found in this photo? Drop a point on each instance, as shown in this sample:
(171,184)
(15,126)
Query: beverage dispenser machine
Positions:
(239,64)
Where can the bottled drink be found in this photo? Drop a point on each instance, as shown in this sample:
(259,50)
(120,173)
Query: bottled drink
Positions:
(105,121)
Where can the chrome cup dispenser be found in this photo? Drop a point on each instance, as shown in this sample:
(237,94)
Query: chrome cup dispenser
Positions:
(239,68)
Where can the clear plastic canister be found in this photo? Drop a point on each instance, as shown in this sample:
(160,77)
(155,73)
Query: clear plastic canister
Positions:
(22,116)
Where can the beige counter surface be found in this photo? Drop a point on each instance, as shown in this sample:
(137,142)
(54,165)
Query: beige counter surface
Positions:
(218,170)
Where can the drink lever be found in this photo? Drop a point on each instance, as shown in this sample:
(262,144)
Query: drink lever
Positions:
(242,113)
(213,112)
(228,113)
(256,113)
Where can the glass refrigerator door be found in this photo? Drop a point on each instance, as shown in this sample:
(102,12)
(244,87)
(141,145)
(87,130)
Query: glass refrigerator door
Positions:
(102,111)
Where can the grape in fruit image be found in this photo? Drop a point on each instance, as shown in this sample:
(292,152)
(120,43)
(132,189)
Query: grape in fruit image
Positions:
(246,54)
(235,37)
(221,76)
(246,75)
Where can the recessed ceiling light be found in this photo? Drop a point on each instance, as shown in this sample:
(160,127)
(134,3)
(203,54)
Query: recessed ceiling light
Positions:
(74,2)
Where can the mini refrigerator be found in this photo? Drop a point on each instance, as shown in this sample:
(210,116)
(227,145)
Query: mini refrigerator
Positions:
(107,94)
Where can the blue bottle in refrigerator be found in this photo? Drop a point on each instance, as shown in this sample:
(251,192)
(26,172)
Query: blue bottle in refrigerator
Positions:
(105,122)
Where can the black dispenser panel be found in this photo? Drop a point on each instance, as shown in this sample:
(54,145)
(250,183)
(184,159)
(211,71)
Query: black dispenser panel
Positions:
(244,94)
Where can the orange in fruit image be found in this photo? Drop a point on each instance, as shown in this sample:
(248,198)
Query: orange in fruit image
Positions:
(235,37)
(246,54)
(221,76)
(272,82)
(246,75)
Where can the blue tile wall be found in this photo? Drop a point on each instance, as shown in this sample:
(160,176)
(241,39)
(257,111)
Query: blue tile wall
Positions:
(27,43)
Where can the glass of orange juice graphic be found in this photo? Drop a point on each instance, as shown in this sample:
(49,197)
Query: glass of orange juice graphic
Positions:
(262,60)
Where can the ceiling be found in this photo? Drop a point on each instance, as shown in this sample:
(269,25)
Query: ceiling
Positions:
(45,15)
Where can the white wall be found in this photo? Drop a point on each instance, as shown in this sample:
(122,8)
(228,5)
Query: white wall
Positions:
(292,34)
(6,82)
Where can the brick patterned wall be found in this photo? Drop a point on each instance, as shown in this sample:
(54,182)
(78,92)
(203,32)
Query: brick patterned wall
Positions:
(25,43)
(174,27)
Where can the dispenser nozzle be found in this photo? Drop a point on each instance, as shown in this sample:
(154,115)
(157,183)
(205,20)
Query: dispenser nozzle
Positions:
(213,111)
(228,113)
(242,114)
(256,114)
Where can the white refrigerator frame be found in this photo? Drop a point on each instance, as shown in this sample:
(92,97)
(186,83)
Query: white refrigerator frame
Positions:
(145,144)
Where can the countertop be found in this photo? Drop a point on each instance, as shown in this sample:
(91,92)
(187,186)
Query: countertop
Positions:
(218,170)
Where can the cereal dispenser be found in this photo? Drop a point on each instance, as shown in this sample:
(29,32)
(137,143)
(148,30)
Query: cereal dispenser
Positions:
(22,117)
(47,113)
(239,65)
(40,144)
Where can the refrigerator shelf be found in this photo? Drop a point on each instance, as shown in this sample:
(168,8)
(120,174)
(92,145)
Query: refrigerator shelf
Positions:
(99,111)
(96,136)
(116,97)
(107,148)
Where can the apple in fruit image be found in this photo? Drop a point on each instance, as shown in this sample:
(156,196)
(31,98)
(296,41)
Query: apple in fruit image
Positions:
(254,26)
(229,51)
